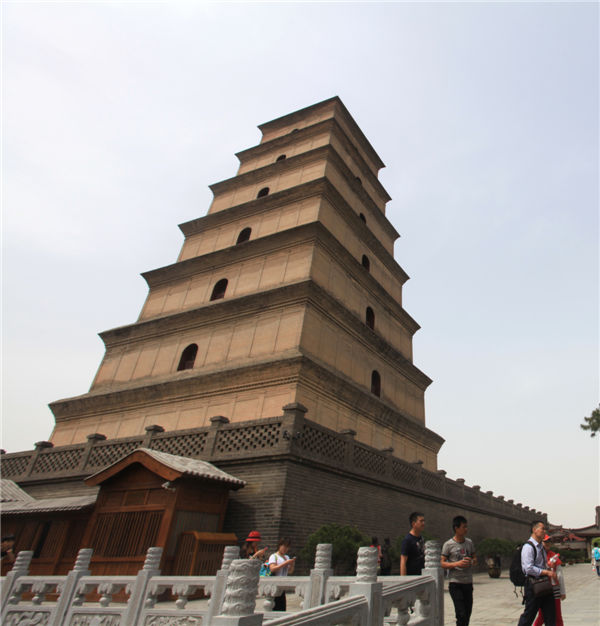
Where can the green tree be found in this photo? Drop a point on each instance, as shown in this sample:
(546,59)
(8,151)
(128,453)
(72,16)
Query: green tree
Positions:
(346,541)
(592,423)
(495,547)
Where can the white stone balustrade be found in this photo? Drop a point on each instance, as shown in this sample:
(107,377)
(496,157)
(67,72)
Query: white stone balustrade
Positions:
(361,600)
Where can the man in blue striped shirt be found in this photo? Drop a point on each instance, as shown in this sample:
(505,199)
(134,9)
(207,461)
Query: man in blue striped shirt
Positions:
(534,563)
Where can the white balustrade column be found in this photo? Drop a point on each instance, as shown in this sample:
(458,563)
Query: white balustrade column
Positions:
(138,589)
(241,590)
(68,588)
(433,567)
(319,575)
(20,568)
(366,584)
(218,591)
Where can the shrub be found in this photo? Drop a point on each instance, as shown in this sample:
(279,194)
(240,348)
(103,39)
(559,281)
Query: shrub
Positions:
(494,547)
(568,555)
(346,541)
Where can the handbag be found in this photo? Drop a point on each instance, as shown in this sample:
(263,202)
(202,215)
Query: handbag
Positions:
(541,587)
(265,570)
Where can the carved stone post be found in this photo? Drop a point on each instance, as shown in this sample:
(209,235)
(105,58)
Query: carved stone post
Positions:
(419,467)
(348,435)
(389,458)
(69,587)
(292,423)
(240,595)
(433,567)
(442,475)
(40,446)
(19,568)
(89,446)
(366,584)
(140,585)
(216,598)
(318,576)
(151,432)
(216,422)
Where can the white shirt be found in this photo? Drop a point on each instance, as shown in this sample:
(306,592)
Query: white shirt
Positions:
(277,559)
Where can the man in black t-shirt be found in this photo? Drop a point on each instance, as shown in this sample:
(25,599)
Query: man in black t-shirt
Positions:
(412,551)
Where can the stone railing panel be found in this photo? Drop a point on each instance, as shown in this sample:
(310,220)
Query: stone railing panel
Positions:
(404,472)
(36,610)
(369,461)
(269,587)
(234,439)
(353,610)
(190,444)
(432,482)
(16,464)
(106,453)
(58,460)
(106,610)
(291,434)
(318,443)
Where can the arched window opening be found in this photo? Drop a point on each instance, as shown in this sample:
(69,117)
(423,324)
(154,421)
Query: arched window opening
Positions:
(281,157)
(263,192)
(370,318)
(244,235)
(188,357)
(358,180)
(376,383)
(366,263)
(362,217)
(295,130)
(219,290)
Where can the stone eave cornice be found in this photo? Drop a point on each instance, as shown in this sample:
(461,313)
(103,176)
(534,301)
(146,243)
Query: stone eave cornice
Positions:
(262,173)
(362,230)
(192,384)
(222,311)
(330,124)
(326,152)
(230,308)
(299,235)
(187,384)
(378,409)
(216,311)
(275,200)
(333,309)
(303,191)
(254,248)
(220,258)
(366,280)
(339,108)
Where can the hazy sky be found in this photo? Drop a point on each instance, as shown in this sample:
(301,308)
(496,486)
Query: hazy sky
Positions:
(117,116)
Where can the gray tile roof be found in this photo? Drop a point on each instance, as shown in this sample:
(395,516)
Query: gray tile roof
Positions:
(11,492)
(190,467)
(48,505)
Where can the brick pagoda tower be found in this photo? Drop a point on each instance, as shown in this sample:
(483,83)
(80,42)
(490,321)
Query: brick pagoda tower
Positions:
(286,291)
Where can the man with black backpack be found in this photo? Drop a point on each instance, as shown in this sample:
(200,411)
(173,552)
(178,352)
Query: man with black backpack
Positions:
(534,564)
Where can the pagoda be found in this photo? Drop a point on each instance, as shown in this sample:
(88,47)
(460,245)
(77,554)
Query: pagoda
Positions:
(287,291)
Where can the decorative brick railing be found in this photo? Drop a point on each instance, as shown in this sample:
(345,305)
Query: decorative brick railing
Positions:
(291,434)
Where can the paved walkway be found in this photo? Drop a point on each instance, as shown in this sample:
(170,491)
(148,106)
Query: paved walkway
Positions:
(495,602)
